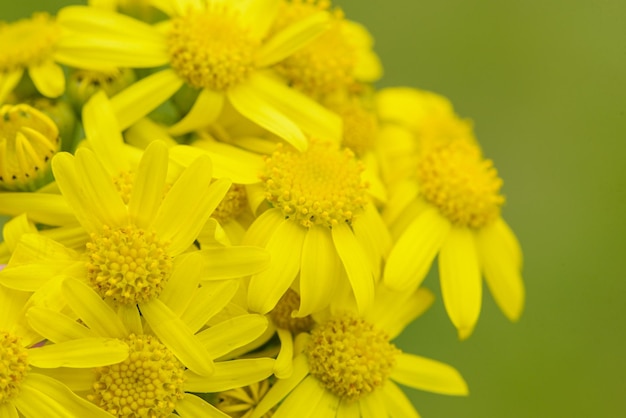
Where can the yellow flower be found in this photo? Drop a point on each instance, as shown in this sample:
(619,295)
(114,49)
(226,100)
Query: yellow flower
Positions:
(25,386)
(218,48)
(320,225)
(171,352)
(349,367)
(451,207)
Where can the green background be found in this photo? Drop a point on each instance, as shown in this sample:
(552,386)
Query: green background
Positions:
(545,83)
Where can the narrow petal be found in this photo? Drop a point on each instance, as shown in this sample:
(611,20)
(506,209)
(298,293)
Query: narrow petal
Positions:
(92,310)
(349,409)
(411,257)
(192,406)
(48,77)
(282,387)
(11,306)
(230,374)
(42,396)
(255,106)
(393,311)
(78,380)
(143,96)
(396,402)
(55,326)
(401,194)
(283,368)
(356,264)
(148,186)
(429,375)
(262,228)
(313,118)
(320,270)
(7,410)
(241,166)
(233,333)
(8,81)
(292,38)
(181,285)
(461,283)
(372,406)
(199,311)
(309,392)
(176,336)
(259,16)
(80,353)
(204,111)
(188,205)
(285,248)
(501,263)
(49,209)
(130,317)
(233,262)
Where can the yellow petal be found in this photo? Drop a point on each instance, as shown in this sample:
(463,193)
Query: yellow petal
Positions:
(143,96)
(80,353)
(92,310)
(48,77)
(230,374)
(396,402)
(356,264)
(409,106)
(177,337)
(429,375)
(241,166)
(56,327)
(285,248)
(233,333)
(348,409)
(461,283)
(15,228)
(501,263)
(199,311)
(283,368)
(294,37)
(262,228)
(320,270)
(204,111)
(75,379)
(282,387)
(42,396)
(148,185)
(191,406)
(233,262)
(308,392)
(45,208)
(184,280)
(393,311)
(259,16)
(8,81)
(412,255)
(372,406)
(11,305)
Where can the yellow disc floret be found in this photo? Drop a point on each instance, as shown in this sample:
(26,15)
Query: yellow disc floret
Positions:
(13,366)
(320,186)
(28,140)
(350,356)
(232,205)
(326,64)
(211,49)
(27,42)
(127,265)
(148,383)
(360,125)
(463,185)
(282,314)
(83,84)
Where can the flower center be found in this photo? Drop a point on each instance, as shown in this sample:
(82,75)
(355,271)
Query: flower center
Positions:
(28,140)
(147,384)
(85,83)
(123,182)
(320,186)
(350,356)
(127,265)
(281,314)
(27,42)
(240,402)
(13,366)
(211,49)
(463,185)
(232,205)
(326,64)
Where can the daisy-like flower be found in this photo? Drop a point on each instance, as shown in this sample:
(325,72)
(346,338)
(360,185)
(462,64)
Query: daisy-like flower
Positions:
(348,367)
(25,387)
(28,141)
(335,61)
(320,225)
(32,45)
(452,207)
(166,344)
(218,48)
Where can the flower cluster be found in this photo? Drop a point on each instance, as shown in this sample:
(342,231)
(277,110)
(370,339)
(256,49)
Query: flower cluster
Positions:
(215,213)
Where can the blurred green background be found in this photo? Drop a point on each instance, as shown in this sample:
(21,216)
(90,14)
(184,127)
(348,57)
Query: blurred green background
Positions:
(545,83)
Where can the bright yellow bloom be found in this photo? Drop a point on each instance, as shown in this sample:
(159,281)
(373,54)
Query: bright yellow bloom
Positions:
(348,367)
(451,207)
(171,352)
(24,382)
(320,225)
(219,49)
